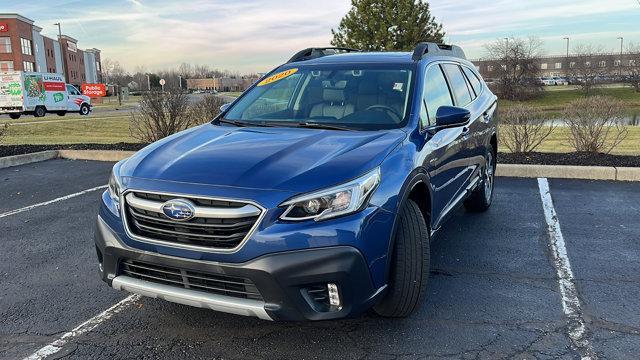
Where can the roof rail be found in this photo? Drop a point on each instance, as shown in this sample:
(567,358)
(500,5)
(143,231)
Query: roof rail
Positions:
(313,53)
(432,49)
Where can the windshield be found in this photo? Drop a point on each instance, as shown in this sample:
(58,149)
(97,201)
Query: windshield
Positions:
(351,96)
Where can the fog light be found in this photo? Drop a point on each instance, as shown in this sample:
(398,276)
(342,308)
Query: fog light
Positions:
(334,297)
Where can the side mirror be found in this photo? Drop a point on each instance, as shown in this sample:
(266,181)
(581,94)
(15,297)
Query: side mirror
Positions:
(452,116)
(224,107)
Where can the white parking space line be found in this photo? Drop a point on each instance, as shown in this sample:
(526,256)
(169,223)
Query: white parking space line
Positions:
(570,301)
(66,197)
(83,328)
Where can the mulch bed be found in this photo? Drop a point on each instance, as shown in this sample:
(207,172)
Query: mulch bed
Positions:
(8,150)
(574,158)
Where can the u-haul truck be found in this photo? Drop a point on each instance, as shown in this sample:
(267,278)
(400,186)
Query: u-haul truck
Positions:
(34,93)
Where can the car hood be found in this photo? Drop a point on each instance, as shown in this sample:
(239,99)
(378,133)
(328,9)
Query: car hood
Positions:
(288,159)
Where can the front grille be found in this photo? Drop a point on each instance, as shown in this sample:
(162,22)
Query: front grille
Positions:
(224,232)
(188,279)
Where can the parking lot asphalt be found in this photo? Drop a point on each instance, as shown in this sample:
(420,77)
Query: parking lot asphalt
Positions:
(493,290)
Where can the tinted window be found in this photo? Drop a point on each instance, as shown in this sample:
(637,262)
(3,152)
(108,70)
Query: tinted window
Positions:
(473,79)
(436,94)
(458,84)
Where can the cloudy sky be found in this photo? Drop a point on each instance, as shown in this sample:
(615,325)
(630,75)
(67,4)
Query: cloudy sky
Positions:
(256,35)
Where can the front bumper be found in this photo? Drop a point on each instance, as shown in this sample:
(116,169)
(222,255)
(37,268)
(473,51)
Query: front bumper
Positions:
(281,278)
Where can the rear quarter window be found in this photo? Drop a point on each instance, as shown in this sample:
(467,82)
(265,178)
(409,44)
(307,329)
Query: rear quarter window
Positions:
(473,79)
(458,84)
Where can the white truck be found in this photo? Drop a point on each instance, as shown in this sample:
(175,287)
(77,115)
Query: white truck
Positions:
(34,93)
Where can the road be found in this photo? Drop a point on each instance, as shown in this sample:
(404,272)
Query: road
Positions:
(494,288)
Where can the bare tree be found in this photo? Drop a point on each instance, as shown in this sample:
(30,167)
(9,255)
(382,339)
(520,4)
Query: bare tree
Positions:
(161,114)
(595,123)
(523,128)
(206,109)
(114,73)
(633,67)
(517,67)
(185,70)
(586,66)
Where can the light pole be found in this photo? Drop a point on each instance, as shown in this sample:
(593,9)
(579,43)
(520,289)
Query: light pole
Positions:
(62,54)
(148,82)
(621,46)
(568,63)
(180,79)
(567,46)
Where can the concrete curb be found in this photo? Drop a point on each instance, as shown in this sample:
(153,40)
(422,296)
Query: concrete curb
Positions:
(504,170)
(9,161)
(98,155)
(569,172)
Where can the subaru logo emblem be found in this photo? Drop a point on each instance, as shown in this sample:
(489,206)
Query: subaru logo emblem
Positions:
(179,209)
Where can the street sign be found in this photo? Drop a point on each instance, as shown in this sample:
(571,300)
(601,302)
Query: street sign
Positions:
(162,82)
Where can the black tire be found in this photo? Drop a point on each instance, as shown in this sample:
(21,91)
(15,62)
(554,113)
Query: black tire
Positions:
(410,262)
(481,198)
(61,113)
(40,111)
(14,116)
(84,109)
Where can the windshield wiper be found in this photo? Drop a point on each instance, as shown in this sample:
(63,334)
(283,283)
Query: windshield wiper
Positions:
(314,125)
(233,122)
(244,123)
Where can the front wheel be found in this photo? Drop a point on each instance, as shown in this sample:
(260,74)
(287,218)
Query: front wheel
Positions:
(410,262)
(481,198)
(84,109)
(40,111)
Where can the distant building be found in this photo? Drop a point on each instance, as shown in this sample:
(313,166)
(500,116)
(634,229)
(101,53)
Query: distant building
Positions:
(22,47)
(561,65)
(220,84)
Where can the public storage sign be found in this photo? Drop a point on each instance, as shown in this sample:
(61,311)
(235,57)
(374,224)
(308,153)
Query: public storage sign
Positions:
(94,90)
(4,27)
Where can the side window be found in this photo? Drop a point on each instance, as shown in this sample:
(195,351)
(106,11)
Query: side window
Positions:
(458,84)
(473,79)
(436,94)
(71,90)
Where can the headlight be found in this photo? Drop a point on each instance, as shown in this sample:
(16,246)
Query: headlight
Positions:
(340,200)
(114,189)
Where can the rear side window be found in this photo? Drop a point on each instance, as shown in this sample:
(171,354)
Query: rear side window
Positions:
(436,94)
(458,84)
(473,79)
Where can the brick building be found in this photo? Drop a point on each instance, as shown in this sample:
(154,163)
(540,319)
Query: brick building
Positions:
(561,65)
(22,47)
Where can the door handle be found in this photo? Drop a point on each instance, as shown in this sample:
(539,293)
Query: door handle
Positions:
(486,117)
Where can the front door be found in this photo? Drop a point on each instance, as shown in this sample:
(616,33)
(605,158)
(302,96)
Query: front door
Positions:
(75,98)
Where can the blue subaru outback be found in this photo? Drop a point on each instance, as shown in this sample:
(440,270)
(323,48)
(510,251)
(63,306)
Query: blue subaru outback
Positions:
(312,196)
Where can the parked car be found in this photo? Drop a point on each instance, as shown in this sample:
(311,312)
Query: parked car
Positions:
(560,80)
(314,195)
(547,81)
(32,93)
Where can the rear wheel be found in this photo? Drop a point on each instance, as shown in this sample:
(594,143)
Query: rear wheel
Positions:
(410,263)
(14,116)
(40,111)
(481,198)
(84,109)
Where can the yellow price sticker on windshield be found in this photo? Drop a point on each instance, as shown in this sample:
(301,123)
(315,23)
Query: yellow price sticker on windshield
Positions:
(277,77)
